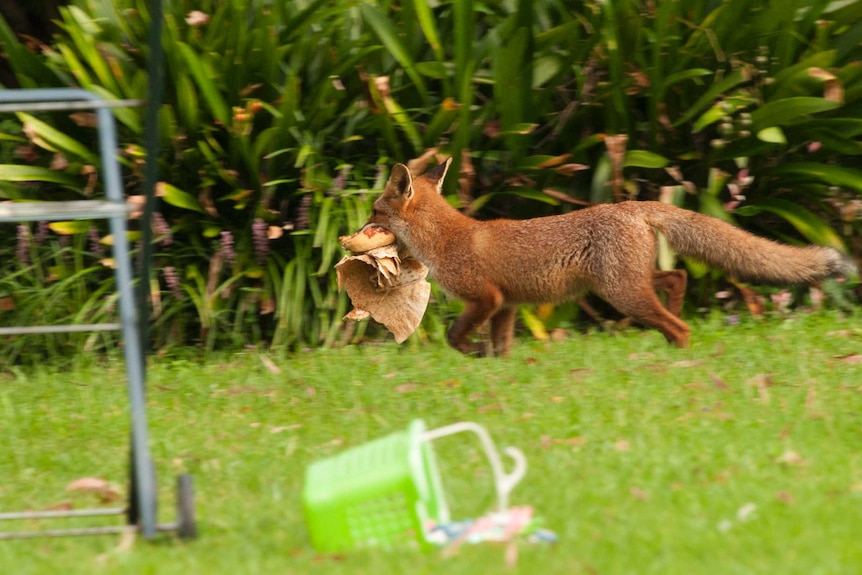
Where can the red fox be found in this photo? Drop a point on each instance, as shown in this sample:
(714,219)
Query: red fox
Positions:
(607,249)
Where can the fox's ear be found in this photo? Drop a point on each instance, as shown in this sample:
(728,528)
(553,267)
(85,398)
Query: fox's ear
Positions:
(438,173)
(400,182)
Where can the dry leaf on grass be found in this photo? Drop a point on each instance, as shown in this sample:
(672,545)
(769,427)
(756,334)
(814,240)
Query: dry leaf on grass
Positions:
(785,497)
(851,359)
(639,493)
(790,458)
(762,383)
(270,365)
(579,373)
(405,387)
(104,489)
(281,428)
(718,382)
(686,363)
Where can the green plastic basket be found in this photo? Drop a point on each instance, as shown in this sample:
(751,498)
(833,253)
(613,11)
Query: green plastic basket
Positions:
(388,492)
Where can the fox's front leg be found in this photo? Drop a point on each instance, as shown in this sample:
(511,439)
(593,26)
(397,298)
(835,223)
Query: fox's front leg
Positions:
(476,312)
(503,330)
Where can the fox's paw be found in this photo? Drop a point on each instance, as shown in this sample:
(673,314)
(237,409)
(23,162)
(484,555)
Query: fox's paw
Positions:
(475,349)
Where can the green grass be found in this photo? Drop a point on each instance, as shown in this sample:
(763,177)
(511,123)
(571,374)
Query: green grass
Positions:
(641,456)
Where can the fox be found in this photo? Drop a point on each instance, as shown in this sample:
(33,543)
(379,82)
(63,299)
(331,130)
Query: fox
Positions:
(494,266)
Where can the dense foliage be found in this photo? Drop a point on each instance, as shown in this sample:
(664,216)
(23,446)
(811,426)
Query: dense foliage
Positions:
(281,119)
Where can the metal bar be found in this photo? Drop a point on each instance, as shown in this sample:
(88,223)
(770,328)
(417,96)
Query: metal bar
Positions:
(107,530)
(69,105)
(143,470)
(77,328)
(15,515)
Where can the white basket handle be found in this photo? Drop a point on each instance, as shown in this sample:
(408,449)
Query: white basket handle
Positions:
(503,482)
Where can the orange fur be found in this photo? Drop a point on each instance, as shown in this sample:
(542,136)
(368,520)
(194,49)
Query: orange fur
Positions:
(608,249)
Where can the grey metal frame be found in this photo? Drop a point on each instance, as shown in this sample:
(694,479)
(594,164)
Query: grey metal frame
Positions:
(114,209)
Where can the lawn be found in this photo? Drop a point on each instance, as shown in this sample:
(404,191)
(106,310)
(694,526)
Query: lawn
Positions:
(742,454)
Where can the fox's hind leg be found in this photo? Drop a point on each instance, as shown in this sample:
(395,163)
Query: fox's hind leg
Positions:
(672,283)
(639,301)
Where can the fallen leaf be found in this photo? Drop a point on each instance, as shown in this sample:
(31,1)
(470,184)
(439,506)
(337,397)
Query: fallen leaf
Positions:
(746,512)
(718,382)
(332,443)
(762,382)
(622,445)
(790,457)
(405,387)
(558,399)
(851,359)
(576,441)
(686,363)
(88,484)
(654,367)
(105,490)
(639,493)
(285,428)
(580,373)
(270,365)
(491,407)
(785,497)
(547,441)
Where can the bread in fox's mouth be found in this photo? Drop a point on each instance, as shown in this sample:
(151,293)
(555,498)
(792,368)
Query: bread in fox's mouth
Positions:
(369,237)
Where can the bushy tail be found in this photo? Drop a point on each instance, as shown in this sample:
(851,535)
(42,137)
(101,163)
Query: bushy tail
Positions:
(746,256)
